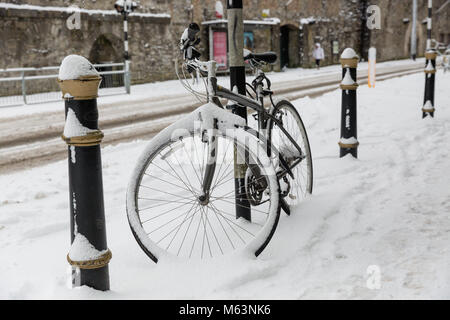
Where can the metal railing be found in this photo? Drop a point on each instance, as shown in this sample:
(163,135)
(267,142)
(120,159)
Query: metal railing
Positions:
(19,86)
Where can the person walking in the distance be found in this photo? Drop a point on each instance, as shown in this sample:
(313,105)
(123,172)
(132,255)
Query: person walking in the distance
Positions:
(318,54)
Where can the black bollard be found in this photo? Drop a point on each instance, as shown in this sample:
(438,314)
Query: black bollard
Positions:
(430,77)
(89,254)
(349,134)
(237,80)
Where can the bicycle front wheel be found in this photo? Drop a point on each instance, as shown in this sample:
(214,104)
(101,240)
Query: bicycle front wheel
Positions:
(296,189)
(167,214)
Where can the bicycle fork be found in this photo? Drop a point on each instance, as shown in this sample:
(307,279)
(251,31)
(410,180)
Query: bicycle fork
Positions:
(210,138)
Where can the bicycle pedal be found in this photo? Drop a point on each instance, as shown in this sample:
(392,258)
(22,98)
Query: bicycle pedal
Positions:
(231,106)
(285,207)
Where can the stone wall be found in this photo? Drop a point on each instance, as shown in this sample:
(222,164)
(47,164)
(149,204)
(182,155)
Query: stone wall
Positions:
(41,38)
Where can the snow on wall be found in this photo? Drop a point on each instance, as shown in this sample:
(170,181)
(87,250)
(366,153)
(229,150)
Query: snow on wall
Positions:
(71,9)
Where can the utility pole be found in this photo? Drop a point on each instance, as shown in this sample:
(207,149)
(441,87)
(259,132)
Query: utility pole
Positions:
(237,82)
(125,7)
(429,23)
(414,31)
(430,69)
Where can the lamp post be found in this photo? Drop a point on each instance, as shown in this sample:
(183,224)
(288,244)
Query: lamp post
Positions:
(430,69)
(125,7)
(413,31)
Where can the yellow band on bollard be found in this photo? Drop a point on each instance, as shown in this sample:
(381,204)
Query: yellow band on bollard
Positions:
(90,139)
(431,55)
(98,263)
(428,110)
(84,88)
(349,87)
(349,63)
(348,146)
(430,71)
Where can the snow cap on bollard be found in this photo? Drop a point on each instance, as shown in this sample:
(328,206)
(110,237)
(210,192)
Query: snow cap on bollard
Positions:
(349,58)
(78,78)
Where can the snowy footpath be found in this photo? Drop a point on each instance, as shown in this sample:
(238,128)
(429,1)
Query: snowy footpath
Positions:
(375,228)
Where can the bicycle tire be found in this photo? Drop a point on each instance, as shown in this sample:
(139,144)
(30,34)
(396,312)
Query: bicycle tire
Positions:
(304,143)
(155,147)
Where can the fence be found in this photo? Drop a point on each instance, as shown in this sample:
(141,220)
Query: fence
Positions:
(19,86)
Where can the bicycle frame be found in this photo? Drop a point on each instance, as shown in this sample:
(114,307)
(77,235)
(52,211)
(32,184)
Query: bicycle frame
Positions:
(216,91)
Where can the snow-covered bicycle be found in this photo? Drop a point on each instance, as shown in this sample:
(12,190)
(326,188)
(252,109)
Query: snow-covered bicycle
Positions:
(182,199)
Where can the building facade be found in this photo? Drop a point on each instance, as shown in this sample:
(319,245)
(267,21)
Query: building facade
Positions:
(36,33)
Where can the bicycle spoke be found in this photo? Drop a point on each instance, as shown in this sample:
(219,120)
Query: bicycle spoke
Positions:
(165,192)
(185,219)
(192,165)
(228,221)
(223,228)
(178,229)
(181,167)
(195,238)
(176,218)
(150,199)
(210,226)
(176,177)
(173,184)
(160,205)
(165,212)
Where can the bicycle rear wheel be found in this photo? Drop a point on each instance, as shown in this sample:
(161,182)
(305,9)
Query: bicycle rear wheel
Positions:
(166,215)
(296,189)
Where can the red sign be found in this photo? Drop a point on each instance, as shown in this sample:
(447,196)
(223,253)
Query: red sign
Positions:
(220,48)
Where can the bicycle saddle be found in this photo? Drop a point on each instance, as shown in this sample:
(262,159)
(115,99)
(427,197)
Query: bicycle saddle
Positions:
(268,57)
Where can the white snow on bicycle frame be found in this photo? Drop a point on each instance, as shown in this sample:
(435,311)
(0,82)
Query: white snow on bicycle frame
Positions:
(205,116)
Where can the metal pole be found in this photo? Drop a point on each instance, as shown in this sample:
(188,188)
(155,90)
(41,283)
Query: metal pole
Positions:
(429,23)
(414,31)
(349,135)
(89,254)
(430,69)
(24,88)
(126,55)
(237,82)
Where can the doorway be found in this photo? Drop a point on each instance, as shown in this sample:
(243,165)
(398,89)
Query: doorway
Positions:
(103,52)
(284,47)
(289,46)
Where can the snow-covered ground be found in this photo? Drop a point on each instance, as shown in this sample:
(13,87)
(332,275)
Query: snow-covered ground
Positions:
(163,89)
(389,211)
